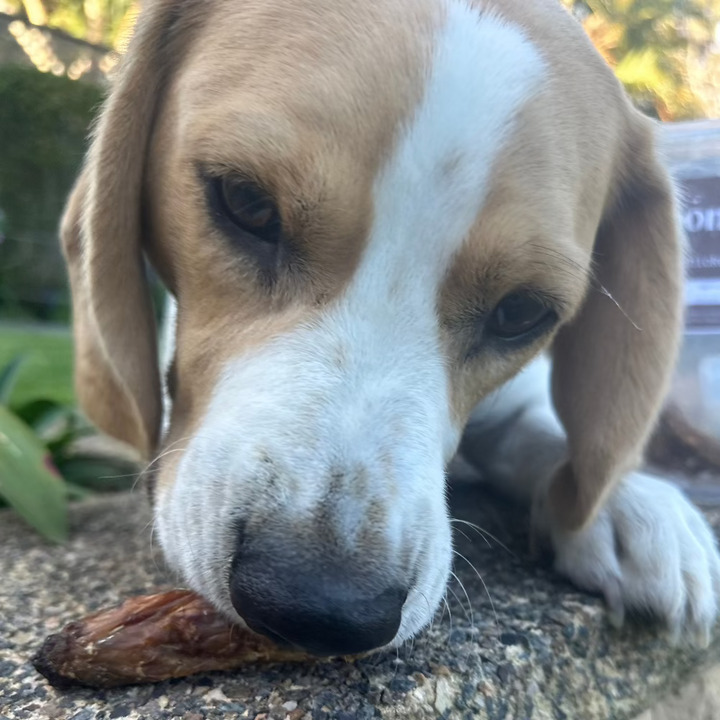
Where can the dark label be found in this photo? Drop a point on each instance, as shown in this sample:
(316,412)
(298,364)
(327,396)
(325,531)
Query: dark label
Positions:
(701,221)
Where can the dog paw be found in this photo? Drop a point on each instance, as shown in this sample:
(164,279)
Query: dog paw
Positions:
(649,549)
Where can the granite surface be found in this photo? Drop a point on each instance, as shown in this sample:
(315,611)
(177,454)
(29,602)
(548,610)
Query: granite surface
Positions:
(514,642)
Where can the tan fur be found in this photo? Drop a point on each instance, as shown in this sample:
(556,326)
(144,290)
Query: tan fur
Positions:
(294,93)
(609,401)
(116,370)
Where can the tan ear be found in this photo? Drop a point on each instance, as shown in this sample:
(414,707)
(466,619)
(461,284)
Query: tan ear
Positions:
(613,364)
(116,367)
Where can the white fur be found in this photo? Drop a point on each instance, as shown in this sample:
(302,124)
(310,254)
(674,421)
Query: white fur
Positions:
(364,388)
(648,549)
(167,351)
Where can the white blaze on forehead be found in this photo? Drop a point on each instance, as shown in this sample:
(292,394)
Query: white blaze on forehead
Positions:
(362,391)
(483,73)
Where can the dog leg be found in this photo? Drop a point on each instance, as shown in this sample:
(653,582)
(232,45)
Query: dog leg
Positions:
(648,549)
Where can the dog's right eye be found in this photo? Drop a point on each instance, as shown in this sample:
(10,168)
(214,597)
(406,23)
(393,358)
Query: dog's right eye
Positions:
(248,207)
(520,317)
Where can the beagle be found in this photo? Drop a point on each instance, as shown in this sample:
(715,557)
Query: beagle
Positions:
(379,220)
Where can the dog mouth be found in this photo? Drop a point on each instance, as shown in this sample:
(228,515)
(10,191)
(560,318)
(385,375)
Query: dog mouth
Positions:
(304,598)
(333,567)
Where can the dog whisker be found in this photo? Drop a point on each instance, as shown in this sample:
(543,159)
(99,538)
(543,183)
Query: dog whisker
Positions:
(146,471)
(447,605)
(459,602)
(471,615)
(153,525)
(410,652)
(396,664)
(166,451)
(485,534)
(475,528)
(432,614)
(466,536)
(487,591)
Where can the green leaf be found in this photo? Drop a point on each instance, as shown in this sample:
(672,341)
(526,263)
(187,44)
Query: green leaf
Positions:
(59,446)
(99,473)
(8,378)
(42,415)
(76,492)
(29,482)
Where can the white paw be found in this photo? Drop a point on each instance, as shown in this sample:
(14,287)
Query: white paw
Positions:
(649,549)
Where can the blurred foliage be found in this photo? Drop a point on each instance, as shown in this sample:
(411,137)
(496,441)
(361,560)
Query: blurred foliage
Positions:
(41,469)
(44,123)
(48,368)
(660,49)
(664,52)
(106,22)
(653,47)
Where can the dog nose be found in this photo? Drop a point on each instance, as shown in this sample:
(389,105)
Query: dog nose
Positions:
(325,613)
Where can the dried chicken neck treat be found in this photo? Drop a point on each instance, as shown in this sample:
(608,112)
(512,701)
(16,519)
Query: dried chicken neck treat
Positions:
(152,638)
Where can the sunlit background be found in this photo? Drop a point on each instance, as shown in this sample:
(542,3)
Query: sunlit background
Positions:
(56,61)
(666,52)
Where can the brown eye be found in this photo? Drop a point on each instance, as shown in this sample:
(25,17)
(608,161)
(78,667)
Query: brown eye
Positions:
(517,316)
(248,207)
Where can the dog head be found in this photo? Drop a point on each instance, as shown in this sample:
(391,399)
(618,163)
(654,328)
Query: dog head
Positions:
(371,215)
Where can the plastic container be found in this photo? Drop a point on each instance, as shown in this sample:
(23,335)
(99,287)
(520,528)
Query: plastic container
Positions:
(692,151)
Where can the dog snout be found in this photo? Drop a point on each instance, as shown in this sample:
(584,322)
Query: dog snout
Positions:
(316,605)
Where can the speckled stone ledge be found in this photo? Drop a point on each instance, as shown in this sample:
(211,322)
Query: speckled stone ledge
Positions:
(539,650)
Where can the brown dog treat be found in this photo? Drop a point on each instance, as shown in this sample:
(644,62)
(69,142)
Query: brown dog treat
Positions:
(152,638)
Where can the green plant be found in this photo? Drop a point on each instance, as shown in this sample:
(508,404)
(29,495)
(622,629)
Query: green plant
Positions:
(47,371)
(41,470)
(44,123)
(100,21)
(654,46)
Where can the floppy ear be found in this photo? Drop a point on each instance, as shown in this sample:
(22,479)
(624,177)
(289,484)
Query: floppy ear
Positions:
(116,365)
(612,365)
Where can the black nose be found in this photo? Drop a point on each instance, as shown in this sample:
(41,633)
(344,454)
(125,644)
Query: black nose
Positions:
(323,610)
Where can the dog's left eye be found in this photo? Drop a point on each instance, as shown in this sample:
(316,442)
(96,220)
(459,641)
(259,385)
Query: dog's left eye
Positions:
(517,315)
(248,207)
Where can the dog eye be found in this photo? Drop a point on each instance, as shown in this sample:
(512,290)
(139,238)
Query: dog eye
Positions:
(517,315)
(249,208)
